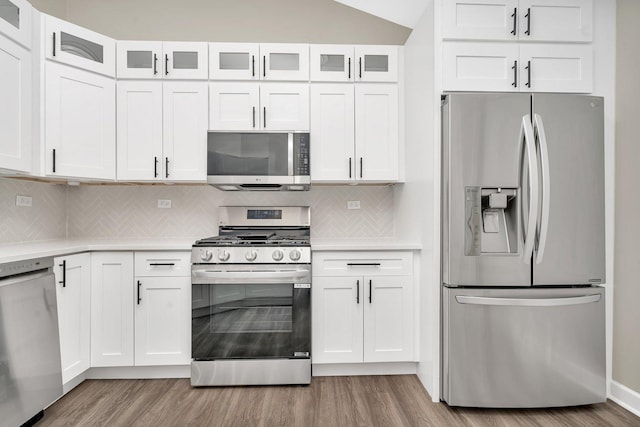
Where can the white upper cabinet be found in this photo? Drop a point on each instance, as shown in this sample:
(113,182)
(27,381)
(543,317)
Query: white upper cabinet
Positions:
(166,60)
(139,60)
(480,19)
(241,106)
(282,61)
(185,60)
(376,63)
(532,20)
(73,45)
(354,133)
(15,107)
(556,20)
(80,123)
(284,106)
(15,21)
(508,67)
(184,128)
(162,131)
(139,110)
(234,106)
(331,63)
(234,61)
(480,66)
(377,139)
(332,132)
(556,68)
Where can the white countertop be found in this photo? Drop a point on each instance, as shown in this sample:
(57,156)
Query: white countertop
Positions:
(21,251)
(363,245)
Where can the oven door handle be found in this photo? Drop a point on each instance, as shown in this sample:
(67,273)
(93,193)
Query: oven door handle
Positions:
(217,276)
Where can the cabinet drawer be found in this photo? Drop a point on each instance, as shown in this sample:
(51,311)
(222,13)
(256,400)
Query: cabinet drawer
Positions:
(163,264)
(362,263)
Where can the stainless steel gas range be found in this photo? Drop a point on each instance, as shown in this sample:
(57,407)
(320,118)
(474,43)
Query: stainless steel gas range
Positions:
(251,293)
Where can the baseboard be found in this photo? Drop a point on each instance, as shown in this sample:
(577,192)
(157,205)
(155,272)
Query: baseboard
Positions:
(625,397)
(348,369)
(140,372)
(75,382)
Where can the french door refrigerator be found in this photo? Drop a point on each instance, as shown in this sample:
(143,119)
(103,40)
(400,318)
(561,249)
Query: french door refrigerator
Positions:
(523,244)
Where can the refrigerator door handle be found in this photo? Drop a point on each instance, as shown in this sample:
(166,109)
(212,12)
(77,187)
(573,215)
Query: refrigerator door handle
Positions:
(529,302)
(543,229)
(527,135)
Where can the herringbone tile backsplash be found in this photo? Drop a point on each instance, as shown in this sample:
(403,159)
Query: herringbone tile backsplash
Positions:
(115,211)
(46,219)
(131,211)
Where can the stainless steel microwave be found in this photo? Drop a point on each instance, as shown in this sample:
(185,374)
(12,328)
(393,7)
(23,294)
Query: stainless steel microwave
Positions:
(258,160)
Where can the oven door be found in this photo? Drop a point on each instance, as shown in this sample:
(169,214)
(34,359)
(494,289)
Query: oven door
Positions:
(251,311)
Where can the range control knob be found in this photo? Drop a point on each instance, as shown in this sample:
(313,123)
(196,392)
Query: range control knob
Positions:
(223,255)
(277,255)
(294,254)
(206,255)
(251,255)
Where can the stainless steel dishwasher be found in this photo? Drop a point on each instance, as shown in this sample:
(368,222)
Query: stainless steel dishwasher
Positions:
(30,371)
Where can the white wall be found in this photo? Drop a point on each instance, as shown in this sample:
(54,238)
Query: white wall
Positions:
(626,335)
(302,21)
(416,201)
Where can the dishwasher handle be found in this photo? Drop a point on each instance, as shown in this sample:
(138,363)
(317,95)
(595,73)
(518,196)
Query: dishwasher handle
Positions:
(529,302)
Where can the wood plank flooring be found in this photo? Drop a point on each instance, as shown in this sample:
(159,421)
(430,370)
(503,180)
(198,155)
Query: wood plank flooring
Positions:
(328,401)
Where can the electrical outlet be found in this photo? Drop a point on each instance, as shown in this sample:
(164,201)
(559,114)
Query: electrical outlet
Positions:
(25,201)
(353,204)
(164,204)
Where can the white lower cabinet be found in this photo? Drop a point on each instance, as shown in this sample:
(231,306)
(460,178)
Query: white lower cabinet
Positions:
(362,307)
(140,316)
(163,309)
(73,293)
(112,294)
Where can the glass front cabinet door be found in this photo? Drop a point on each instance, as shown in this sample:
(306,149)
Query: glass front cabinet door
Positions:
(15,21)
(284,62)
(162,60)
(139,60)
(331,63)
(77,46)
(234,61)
(376,63)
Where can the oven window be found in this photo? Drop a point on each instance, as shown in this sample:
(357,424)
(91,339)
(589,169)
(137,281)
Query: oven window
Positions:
(242,154)
(248,321)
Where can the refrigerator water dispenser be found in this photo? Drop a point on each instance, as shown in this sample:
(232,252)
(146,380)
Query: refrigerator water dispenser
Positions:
(491,221)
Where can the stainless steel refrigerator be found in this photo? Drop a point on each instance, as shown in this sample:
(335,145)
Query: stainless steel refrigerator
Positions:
(523,250)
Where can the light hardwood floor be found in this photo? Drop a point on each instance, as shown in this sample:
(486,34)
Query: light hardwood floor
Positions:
(328,401)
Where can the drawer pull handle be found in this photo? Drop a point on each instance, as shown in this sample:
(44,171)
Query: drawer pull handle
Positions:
(162,264)
(363,264)
(358,292)
(370,291)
